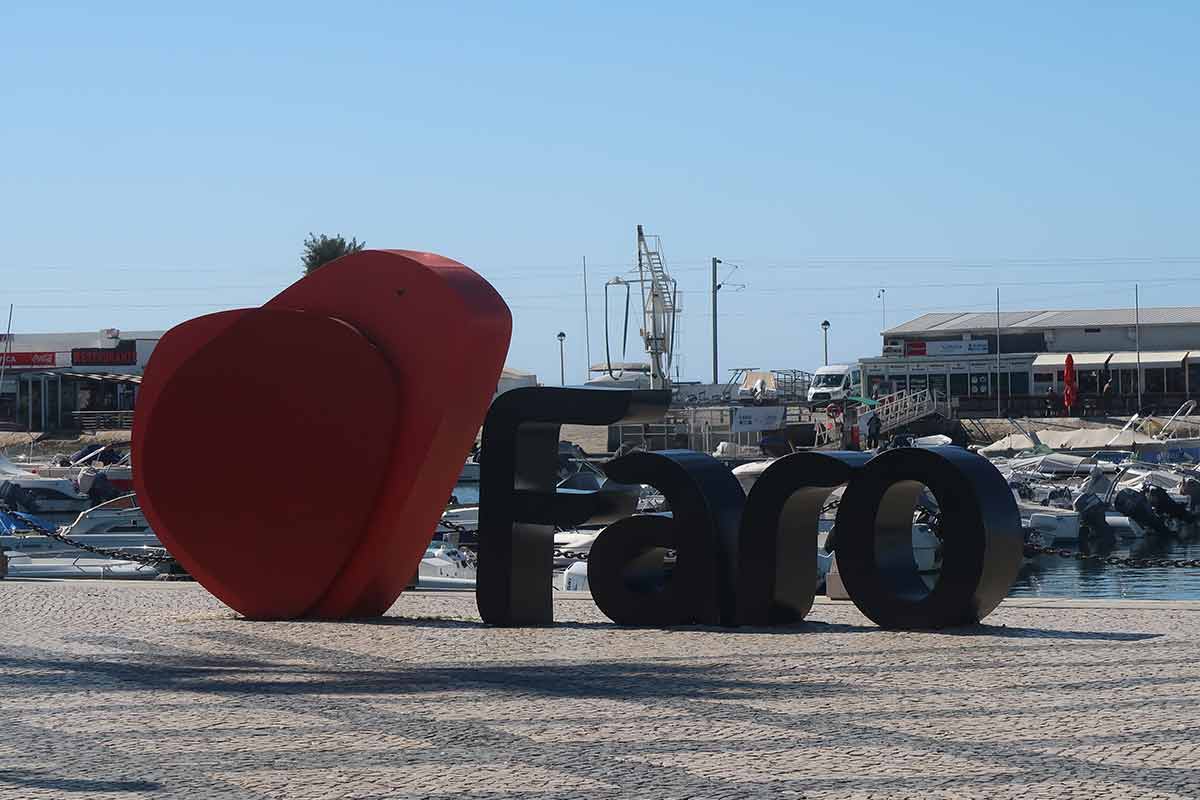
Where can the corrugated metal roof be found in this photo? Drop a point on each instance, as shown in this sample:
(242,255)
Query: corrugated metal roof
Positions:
(925,322)
(1046,318)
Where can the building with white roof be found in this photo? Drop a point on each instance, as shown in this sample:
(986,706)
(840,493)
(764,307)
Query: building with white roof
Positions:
(971,356)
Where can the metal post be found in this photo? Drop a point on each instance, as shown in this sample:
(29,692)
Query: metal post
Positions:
(715,287)
(562,360)
(882,295)
(1137,339)
(587,326)
(998,356)
(825,331)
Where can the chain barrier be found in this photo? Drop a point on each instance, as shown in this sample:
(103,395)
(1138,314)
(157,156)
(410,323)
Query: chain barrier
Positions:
(1112,561)
(146,559)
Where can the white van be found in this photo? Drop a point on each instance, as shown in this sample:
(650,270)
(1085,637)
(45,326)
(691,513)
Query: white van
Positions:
(835,383)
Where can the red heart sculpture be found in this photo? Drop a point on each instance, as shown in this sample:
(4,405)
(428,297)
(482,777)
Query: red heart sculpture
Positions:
(347,405)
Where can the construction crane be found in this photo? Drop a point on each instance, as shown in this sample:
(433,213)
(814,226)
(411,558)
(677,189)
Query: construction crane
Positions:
(660,303)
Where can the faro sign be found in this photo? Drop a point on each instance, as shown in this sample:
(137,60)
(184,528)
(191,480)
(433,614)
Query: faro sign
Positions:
(285,536)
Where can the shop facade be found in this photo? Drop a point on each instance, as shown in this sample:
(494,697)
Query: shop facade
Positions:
(67,381)
(963,360)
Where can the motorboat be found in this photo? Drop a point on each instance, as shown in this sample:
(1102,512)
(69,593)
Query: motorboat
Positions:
(445,566)
(55,499)
(118,525)
(22,565)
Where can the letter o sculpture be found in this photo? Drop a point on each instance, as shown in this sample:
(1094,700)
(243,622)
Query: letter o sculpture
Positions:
(981,534)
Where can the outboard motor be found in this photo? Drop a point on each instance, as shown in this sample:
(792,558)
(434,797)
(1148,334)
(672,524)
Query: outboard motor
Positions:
(1191,487)
(1090,509)
(1166,506)
(102,490)
(1134,505)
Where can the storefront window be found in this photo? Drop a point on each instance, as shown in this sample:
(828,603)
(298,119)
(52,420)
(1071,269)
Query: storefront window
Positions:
(958,384)
(1089,382)
(898,382)
(1175,383)
(918,383)
(1127,381)
(1156,380)
(8,401)
(937,383)
(1194,379)
(1019,382)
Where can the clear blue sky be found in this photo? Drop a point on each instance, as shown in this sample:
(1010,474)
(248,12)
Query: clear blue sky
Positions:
(158,164)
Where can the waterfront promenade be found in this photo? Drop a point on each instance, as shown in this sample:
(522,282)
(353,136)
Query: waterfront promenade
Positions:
(115,690)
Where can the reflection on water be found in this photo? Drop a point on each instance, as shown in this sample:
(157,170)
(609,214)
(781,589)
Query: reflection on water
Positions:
(1054,576)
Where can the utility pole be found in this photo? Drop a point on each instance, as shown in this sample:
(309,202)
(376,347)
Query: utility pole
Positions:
(715,288)
(587,327)
(998,356)
(1137,338)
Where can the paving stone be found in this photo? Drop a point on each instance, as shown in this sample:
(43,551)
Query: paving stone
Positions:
(123,690)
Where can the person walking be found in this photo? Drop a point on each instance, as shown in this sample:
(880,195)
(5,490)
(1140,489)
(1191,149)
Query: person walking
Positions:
(873,429)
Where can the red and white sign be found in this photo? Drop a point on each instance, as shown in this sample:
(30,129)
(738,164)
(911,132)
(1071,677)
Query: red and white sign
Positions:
(957,347)
(28,359)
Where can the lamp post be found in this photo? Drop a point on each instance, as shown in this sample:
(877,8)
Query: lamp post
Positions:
(562,359)
(716,287)
(825,331)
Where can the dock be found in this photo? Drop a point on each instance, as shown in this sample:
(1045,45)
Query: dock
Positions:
(122,690)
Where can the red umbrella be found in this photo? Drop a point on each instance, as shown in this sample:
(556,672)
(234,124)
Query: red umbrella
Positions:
(1070,388)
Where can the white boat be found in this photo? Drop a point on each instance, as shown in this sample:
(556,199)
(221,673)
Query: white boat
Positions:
(20,565)
(55,499)
(116,525)
(444,566)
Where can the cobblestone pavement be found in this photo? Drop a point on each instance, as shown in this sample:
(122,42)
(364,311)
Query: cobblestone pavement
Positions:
(117,690)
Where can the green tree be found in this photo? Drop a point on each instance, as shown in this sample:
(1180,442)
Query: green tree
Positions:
(320,250)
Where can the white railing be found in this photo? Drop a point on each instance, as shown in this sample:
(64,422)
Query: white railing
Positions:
(900,408)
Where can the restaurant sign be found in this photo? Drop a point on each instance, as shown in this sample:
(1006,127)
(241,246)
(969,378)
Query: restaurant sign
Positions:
(104,357)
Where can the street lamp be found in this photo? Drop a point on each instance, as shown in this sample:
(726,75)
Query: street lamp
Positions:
(562,363)
(825,331)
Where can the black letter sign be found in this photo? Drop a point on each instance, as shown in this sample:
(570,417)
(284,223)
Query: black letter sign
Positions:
(519,504)
(625,565)
(739,561)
